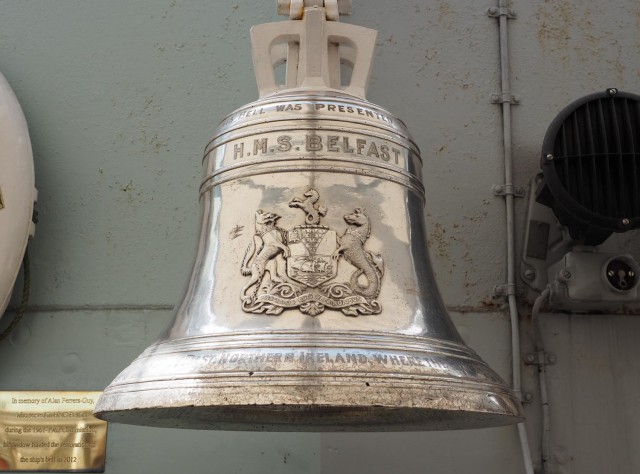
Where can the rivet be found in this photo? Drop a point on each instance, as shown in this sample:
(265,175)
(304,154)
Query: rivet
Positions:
(20,336)
(71,362)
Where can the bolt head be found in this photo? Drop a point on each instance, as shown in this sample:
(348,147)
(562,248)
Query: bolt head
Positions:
(492,10)
(631,273)
(551,358)
(527,397)
(530,358)
(529,274)
(549,157)
(625,221)
(610,273)
(566,274)
(612,91)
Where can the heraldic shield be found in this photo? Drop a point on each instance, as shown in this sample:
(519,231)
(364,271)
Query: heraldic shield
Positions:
(311,254)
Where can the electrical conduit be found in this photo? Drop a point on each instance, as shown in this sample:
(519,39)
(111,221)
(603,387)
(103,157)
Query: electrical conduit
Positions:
(509,200)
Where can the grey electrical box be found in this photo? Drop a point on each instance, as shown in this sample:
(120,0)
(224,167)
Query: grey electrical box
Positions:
(585,281)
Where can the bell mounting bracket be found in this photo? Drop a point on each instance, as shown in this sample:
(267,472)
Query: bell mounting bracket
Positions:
(313,45)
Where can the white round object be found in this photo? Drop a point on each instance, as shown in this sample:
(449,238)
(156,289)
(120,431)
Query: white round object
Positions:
(17,190)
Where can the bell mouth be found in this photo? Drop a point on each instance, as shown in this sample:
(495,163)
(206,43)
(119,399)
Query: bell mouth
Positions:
(273,382)
(309,418)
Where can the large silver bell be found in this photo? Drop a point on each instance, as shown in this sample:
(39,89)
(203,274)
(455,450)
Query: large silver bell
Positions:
(312,305)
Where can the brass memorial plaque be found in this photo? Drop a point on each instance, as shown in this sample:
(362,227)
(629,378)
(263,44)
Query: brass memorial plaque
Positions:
(51,431)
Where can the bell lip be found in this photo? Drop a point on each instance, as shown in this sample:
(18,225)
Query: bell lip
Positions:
(302,419)
(434,409)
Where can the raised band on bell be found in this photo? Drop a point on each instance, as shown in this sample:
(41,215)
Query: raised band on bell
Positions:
(311,305)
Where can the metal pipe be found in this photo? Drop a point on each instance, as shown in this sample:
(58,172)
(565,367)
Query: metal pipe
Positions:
(545,444)
(511,272)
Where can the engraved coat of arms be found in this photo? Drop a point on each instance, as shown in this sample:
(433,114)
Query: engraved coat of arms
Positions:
(295,268)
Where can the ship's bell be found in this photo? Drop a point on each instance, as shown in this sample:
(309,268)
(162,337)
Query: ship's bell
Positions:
(312,305)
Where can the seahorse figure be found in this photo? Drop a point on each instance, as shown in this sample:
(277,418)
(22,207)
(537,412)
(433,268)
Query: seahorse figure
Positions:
(352,249)
(309,206)
(267,244)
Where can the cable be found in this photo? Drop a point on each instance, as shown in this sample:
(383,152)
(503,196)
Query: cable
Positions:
(545,443)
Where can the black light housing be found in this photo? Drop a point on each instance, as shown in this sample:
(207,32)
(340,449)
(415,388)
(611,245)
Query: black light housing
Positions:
(591,166)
